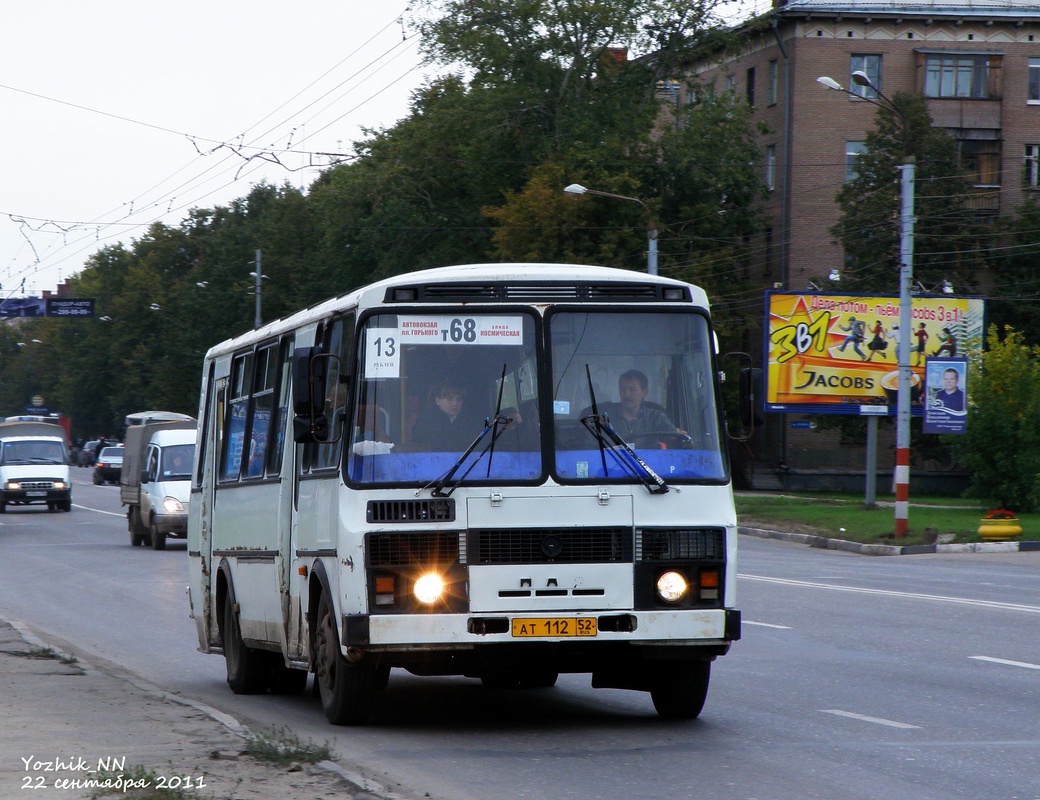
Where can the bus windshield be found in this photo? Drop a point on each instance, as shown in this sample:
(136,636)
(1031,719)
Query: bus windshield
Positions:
(633,396)
(434,385)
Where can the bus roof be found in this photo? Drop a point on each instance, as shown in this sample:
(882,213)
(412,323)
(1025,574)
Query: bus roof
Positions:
(507,273)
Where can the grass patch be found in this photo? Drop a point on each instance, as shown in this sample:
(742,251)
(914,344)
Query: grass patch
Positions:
(282,747)
(839,516)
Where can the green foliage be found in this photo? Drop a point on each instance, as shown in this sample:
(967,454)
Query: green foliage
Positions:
(945,230)
(1015,269)
(475,172)
(1001,448)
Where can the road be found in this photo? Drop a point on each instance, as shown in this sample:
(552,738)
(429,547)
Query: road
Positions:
(858,678)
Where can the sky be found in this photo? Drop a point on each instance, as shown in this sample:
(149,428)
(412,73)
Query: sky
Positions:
(121,113)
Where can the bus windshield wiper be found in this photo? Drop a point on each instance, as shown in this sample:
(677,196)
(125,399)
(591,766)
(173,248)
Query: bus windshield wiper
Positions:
(497,426)
(620,450)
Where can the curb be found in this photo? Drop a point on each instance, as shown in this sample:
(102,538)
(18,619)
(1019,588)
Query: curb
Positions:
(827,543)
(365,787)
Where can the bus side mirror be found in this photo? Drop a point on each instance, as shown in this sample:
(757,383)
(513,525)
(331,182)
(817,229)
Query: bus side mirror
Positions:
(751,397)
(310,373)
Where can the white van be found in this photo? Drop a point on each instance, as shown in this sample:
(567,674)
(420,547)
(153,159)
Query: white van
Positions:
(34,466)
(156,481)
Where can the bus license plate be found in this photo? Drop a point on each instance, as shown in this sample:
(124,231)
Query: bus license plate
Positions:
(554,626)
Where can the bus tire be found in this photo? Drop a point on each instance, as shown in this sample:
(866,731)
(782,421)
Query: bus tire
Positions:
(680,689)
(247,669)
(346,690)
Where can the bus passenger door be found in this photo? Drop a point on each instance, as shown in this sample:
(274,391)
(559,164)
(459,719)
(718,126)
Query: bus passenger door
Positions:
(316,476)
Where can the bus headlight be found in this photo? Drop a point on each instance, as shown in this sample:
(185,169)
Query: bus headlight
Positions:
(672,586)
(428,589)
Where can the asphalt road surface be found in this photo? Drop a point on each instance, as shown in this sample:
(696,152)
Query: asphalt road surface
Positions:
(858,678)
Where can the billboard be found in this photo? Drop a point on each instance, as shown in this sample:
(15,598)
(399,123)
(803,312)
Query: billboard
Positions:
(47,307)
(837,353)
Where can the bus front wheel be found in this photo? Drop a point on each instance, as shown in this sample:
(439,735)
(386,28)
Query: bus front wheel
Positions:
(680,688)
(346,690)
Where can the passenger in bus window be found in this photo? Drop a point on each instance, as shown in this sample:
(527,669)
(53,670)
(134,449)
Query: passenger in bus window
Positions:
(445,424)
(632,416)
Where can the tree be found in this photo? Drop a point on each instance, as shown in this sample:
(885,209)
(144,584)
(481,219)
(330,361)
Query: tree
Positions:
(697,180)
(945,232)
(1001,448)
(1014,267)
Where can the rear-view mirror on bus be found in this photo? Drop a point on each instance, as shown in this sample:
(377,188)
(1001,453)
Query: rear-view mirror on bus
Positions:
(312,404)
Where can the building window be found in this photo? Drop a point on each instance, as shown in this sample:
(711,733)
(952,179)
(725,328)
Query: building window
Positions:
(771,167)
(980,161)
(950,75)
(1034,81)
(771,81)
(871,66)
(853,152)
(751,86)
(731,82)
(1032,166)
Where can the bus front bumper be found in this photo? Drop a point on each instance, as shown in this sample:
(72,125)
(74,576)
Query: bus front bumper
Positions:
(700,628)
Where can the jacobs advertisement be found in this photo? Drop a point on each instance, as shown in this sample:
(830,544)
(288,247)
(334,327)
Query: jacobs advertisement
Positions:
(837,354)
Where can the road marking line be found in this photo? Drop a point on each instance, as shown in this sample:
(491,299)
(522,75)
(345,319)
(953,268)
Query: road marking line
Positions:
(876,720)
(98,510)
(1006,662)
(768,625)
(889,593)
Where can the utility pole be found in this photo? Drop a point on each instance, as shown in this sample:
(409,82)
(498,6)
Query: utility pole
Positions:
(257,322)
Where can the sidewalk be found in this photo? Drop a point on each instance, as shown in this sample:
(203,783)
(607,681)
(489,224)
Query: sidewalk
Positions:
(68,725)
(828,543)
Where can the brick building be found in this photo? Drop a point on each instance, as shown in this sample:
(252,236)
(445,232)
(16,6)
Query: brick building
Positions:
(977,62)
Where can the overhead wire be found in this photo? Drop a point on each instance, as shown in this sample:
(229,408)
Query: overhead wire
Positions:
(132,211)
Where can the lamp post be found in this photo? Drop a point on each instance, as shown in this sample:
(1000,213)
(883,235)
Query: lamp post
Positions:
(651,226)
(906,276)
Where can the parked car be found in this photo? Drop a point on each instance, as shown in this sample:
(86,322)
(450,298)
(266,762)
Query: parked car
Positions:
(87,453)
(109,465)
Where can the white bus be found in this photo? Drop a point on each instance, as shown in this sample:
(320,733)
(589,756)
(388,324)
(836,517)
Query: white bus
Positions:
(435,473)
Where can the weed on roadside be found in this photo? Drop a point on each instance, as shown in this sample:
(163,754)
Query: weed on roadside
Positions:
(48,653)
(283,747)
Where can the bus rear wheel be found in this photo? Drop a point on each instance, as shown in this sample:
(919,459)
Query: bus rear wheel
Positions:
(247,669)
(346,690)
(680,689)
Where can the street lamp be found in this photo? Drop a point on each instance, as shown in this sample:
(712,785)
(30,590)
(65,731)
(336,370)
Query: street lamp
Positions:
(906,276)
(651,226)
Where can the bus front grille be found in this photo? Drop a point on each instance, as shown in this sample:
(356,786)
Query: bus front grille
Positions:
(422,548)
(410,511)
(680,544)
(550,546)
